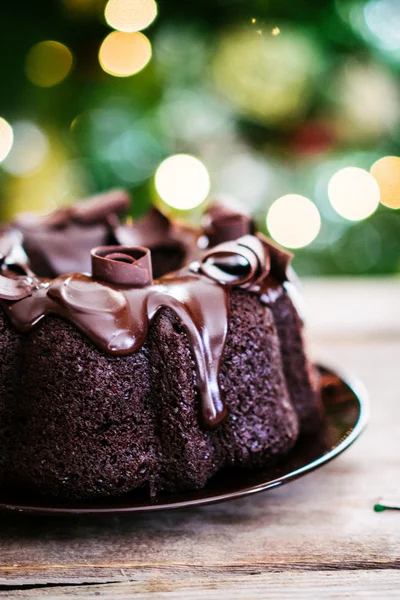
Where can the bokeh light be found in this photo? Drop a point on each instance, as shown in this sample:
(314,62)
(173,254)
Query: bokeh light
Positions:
(359,115)
(383,20)
(353,193)
(267,77)
(124,54)
(387,173)
(6,138)
(182,181)
(28,151)
(48,63)
(293,221)
(130,15)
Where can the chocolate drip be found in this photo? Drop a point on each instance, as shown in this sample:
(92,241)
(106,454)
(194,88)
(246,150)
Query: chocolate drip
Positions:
(117,320)
(115,313)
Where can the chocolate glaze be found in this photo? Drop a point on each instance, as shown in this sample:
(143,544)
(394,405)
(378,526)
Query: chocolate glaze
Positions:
(116,317)
(115,306)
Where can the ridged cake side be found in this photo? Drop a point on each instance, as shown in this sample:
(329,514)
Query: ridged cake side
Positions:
(86,425)
(90,424)
(300,375)
(10,371)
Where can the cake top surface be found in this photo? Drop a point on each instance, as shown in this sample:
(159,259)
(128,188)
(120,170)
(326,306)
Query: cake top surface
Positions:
(115,305)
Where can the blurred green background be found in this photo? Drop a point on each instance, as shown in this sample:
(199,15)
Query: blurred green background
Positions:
(273,97)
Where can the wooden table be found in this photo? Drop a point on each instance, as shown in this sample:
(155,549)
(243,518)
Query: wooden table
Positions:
(317,537)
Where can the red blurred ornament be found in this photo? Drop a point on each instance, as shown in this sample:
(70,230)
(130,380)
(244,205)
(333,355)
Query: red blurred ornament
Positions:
(313,137)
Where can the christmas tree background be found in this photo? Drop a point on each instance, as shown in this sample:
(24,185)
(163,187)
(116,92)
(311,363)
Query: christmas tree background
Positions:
(273,97)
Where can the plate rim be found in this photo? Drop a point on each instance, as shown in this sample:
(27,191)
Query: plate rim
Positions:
(353,383)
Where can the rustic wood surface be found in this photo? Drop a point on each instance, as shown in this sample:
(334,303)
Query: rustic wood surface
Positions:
(318,536)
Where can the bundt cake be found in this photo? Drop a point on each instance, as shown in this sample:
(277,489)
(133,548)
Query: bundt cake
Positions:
(112,379)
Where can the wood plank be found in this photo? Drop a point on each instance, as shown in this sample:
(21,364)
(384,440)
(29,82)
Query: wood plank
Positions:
(235,586)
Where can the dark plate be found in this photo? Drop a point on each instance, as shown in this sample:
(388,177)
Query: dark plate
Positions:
(346,414)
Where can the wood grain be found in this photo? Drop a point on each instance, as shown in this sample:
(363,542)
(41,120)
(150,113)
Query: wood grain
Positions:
(317,535)
(258,586)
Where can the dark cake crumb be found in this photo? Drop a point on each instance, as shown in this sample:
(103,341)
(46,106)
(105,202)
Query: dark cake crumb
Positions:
(87,428)
(300,374)
(91,425)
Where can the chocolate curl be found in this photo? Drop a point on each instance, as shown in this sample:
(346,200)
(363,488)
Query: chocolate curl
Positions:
(227,227)
(153,228)
(15,289)
(231,264)
(122,265)
(97,209)
(243,263)
(280,258)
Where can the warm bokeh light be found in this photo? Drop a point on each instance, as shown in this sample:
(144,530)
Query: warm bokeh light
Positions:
(28,151)
(353,193)
(182,181)
(267,77)
(124,54)
(6,138)
(293,221)
(387,173)
(48,63)
(130,15)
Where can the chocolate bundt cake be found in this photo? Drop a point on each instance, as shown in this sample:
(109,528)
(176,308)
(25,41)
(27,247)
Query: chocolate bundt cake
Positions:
(112,379)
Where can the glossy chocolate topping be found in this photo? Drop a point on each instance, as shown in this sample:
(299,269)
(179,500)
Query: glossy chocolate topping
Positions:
(122,266)
(61,241)
(163,237)
(152,229)
(115,307)
(222,224)
(224,228)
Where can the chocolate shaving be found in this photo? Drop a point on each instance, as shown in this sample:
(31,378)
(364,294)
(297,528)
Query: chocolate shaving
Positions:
(122,265)
(98,209)
(151,229)
(280,258)
(227,227)
(15,288)
(241,263)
